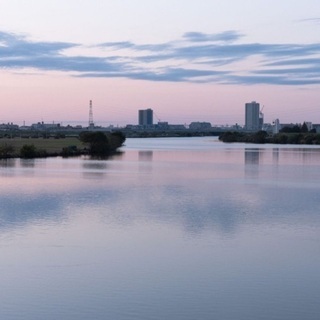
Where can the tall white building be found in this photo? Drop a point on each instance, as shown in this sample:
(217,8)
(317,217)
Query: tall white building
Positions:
(252,116)
(276,126)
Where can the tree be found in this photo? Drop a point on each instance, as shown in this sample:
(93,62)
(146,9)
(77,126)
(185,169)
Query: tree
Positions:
(304,128)
(98,142)
(294,129)
(280,138)
(117,140)
(28,151)
(229,136)
(101,144)
(6,150)
(260,137)
(295,138)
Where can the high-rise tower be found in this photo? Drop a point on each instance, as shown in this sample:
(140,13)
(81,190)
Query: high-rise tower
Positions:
(146,117)
(252,116)
(91,124)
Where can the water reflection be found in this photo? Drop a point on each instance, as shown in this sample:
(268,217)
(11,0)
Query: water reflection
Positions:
(252,161)
(6,167)
(27,163)
(195,238)
(196,190)
(275,155)
(95,165)
(94,169)
(252,156)
(145,155)
(189,202)
(23,209)
(7,163)
(145,158)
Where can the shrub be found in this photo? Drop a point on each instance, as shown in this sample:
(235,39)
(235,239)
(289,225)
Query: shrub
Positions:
(6,150)
(97,141)
(70,151)
(28,151)
(101,144)
(280,138)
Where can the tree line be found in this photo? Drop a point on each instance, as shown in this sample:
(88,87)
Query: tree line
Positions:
(279,138)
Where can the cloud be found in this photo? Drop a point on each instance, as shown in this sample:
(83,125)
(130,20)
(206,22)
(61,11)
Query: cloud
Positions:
(270,79)
(312,20)
(195,57)
(226,36)
(136,47)
(291,62)
(168,75)
(12,45)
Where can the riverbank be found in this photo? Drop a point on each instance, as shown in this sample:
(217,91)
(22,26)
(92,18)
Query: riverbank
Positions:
(51,147)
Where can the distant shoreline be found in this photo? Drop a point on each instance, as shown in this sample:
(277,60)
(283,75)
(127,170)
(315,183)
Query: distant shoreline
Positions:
(262,137)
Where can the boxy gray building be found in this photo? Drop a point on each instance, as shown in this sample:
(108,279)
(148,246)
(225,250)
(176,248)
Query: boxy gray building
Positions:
(252,116)
(146,117)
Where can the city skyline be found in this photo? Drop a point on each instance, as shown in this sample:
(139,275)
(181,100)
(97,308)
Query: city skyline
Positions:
(186,61)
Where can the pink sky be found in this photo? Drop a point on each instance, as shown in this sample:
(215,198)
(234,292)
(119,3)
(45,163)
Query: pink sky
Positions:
(60,98)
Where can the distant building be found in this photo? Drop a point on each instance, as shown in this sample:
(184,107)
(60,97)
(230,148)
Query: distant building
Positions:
(8,126)
(276,126)
(45,126)
(261,119)
(177,127)
(198,126)
(316,126)
(309,125)
(163,125)
(252,116)
(146,117)
(268,127)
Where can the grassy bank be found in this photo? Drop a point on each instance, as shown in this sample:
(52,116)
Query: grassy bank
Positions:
(92,143)
(48,145)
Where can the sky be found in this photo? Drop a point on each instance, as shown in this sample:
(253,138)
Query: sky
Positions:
(187,60)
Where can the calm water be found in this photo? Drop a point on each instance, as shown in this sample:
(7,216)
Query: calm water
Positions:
(170,229)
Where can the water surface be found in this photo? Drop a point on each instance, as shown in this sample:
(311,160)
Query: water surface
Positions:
(175,228)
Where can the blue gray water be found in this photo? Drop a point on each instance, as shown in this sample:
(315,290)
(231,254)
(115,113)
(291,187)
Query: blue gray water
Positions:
(176,228)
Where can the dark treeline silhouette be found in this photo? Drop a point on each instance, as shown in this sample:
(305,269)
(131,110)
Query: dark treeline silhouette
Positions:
(279,138)
(100,143)
(297,129)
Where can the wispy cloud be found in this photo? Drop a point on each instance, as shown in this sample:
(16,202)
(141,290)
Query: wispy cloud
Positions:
(195,57)
(227,36)
(12,45)
(312,20)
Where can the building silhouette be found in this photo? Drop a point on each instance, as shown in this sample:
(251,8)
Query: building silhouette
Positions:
(91,123)
(146,117)
(252,116)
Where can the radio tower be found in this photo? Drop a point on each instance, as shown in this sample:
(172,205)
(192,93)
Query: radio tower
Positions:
(91,124)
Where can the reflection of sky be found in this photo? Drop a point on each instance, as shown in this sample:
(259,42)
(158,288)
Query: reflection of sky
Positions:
(202,189)
(176,235)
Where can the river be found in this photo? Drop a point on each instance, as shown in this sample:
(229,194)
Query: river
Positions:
(170,228)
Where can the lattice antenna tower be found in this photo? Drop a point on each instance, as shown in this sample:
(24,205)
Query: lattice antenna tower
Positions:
(91,124)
